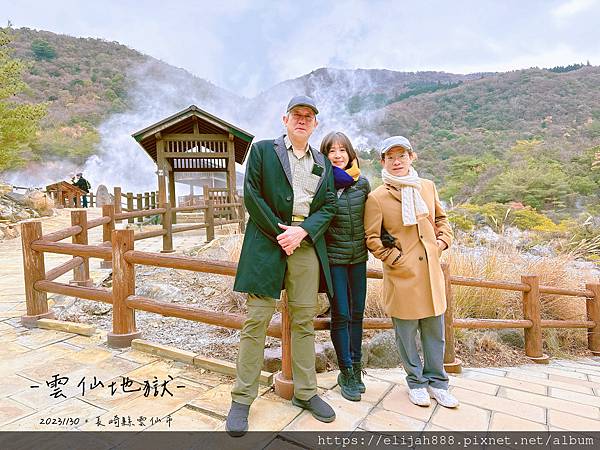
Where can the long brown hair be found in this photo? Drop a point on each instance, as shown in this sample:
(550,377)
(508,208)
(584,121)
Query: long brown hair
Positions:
(337,137)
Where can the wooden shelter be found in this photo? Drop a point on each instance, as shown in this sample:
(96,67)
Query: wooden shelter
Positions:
(65,195)
(193,141)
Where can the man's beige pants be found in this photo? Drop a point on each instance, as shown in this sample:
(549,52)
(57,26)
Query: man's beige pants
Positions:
(302,285)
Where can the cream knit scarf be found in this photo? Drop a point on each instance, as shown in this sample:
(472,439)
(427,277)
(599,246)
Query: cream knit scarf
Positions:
(413,204)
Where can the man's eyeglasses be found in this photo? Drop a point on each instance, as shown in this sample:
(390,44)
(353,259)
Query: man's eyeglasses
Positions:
(307,118)
(398,157)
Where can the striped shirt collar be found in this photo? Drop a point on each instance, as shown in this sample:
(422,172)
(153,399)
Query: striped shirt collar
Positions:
(289,146)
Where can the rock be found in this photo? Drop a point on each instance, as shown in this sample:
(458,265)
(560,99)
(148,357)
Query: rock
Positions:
(8,231)
(332,356)
(95,308)
(272,361)
(103,197)
(5,188)
(383,351)
(159,291)
(321,359)
(208,291)
(39,201)
(323,305)
(510,337)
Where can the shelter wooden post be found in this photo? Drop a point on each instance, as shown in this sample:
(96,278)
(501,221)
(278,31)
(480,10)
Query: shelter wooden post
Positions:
(161,169)
(532,311)
(107,229)
(34,270)
(593,313)
(284,384)
(130,205)
(167,226)
(124,330)
(451,363)
(209,220)
(231,169)
(172,199)
(81,273)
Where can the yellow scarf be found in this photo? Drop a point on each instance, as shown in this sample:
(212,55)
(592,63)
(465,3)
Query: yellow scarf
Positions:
(354,170)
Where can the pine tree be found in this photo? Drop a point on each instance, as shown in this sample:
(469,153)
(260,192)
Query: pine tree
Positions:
(18,122)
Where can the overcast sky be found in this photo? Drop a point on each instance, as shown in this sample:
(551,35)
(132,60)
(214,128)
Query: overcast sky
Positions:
(249,45)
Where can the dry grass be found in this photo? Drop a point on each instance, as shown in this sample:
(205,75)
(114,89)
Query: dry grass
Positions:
(505,263)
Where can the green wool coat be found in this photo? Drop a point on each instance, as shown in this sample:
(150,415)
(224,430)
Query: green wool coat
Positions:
(269,198)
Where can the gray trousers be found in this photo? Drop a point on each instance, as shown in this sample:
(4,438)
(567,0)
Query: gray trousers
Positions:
(431,371)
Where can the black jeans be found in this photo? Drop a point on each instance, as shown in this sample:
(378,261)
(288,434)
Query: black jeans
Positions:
(347,310)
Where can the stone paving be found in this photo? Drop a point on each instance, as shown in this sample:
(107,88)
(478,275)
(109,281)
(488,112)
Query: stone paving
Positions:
(53,380)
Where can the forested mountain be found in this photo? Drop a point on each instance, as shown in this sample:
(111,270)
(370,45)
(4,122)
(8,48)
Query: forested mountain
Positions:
(530,136)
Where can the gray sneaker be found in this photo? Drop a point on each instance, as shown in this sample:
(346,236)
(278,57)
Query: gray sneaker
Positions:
(237,419)
(317,407)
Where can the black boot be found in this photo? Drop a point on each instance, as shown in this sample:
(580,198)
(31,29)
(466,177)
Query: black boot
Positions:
(348,385)
(357,369)
(237,419)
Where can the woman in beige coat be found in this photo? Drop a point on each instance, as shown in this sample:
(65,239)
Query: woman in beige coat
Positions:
(407,229)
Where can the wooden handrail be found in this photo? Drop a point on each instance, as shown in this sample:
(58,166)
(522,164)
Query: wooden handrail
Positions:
(219,318)
(62,234)
(140,213)
(57,271)
(181,262)
(63,248)
(89,293)
(492,284)
(148,234)
(97,222)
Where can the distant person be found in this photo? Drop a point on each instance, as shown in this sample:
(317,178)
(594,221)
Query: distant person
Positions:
(407,229)
(348,256)
(84,185)
(289,195)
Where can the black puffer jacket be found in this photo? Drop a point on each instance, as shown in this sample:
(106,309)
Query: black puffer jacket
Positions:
(345,236)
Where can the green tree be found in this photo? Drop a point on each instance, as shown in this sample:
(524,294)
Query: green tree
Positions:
(42,49)
(18,122)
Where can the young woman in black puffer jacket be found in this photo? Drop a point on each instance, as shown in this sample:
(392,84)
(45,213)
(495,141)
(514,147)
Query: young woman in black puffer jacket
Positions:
(348,256)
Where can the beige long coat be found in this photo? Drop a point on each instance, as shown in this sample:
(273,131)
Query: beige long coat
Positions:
(413,287)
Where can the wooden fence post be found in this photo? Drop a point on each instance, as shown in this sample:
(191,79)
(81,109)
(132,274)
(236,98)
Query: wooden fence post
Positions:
(140,206)
(34,270)
(130,205)
(284,384)
(91,205)
(107,229)
(451,363)
(81,273)
(209,219)
(532,311)
(123,330)
(117,201)
(168,227)
(146,200)
(153,199)
(593,313)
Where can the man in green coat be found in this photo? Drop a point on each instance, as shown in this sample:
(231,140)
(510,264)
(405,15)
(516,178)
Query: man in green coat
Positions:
(290,197)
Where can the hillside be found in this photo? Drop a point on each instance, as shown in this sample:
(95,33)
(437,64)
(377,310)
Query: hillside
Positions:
(530,136)
(85,81)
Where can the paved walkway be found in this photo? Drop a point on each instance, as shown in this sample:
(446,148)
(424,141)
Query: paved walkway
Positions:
(52,380)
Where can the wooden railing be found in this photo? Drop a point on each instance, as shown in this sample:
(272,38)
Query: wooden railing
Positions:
(118,247)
